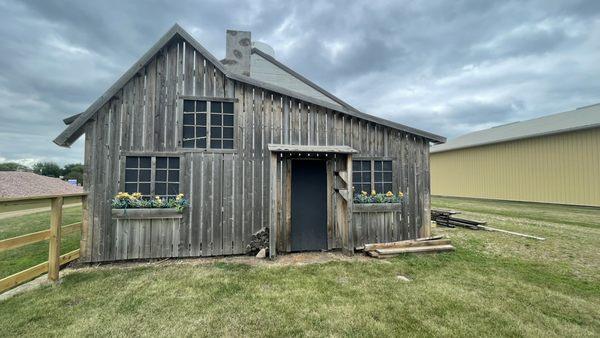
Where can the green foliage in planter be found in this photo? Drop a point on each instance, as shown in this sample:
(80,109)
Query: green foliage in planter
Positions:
(124,200)
(374,197)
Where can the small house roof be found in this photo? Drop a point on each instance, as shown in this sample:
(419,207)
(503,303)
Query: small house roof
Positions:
(26,184)
(75,127)
(580,118)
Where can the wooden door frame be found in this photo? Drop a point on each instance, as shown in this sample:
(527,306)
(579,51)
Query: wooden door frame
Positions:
(344,210)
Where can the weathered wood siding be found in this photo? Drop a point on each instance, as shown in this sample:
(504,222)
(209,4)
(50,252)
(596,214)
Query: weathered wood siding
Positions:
(229,191)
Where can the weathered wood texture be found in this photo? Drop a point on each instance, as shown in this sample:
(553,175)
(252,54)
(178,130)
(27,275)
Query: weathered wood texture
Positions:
(229,191)
(377,226)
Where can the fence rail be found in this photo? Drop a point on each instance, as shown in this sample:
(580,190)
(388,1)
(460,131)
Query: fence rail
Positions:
(53,235)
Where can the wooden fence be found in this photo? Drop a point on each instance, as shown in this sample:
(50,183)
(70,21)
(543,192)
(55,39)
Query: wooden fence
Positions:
(53,235)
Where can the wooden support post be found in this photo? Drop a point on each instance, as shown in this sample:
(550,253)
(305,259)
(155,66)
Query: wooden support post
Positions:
(273,208)
(85,228)
(347,239)
(54,247)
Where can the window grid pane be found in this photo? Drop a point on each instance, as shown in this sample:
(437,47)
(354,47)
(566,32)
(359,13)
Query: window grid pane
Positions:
(196,127)
(383,176)
(361,176)
(138,176)
(167,177)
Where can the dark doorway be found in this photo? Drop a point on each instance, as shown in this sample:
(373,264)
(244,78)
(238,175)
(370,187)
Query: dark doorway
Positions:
(309,205)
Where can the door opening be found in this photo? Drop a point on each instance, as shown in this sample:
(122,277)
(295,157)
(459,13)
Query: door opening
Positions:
(309,205)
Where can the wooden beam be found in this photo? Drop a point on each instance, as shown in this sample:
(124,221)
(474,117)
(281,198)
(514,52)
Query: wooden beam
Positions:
(29,274)
(346,212)
(434,248)
(350,204)
(54,245)
(345,194)
(273,208)
(343,174)
(405,244)
(19,241)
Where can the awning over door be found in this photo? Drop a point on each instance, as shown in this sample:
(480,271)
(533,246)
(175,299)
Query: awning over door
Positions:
(291,148)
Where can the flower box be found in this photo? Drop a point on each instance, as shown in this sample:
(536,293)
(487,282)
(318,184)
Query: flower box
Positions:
(376,207)
(146,213)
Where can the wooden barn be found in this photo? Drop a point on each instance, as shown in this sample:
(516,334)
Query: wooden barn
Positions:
(251,144)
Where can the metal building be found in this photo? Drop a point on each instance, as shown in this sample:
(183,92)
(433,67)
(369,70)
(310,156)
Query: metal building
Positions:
(551,159)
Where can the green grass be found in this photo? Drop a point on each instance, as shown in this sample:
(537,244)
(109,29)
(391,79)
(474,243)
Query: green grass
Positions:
(493,285)
(15,260)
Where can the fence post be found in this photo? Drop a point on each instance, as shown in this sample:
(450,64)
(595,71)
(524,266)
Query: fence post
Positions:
(54,248)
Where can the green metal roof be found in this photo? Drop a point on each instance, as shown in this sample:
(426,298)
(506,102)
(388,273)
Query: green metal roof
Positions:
(580,118)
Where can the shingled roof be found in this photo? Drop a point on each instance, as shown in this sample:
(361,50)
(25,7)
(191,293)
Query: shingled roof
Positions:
(26,184)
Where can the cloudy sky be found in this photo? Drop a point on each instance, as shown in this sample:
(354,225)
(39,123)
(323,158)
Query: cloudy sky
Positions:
(448,67)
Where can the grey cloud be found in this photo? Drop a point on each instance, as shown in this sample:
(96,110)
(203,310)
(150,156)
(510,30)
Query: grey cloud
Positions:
(449,67)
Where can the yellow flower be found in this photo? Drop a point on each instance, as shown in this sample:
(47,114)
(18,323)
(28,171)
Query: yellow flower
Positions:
(373,193)
(389,194)
(123,195)
(136,195)
(400,194)
(178,197)
(364,193)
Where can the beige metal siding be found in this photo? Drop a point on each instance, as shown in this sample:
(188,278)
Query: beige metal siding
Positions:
(562,168)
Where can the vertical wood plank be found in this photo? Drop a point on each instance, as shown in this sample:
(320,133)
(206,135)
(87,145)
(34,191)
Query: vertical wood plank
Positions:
(273,207)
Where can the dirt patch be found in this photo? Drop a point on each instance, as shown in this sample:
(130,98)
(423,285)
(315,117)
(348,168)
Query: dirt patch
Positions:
(293,259)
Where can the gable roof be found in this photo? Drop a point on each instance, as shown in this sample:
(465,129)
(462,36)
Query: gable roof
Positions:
(75,127)
(581,118)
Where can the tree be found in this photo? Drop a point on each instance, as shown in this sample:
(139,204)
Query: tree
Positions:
(47,169)
(73,171)
(13,166)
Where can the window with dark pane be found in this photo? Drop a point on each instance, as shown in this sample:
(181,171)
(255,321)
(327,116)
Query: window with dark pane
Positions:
(194,124)
(139,171)
(167,177)
(383,176)
(361,176)
(221,122)
(210,132)
(138,174)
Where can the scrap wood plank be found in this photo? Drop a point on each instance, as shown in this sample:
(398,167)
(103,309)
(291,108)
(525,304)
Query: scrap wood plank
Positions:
(433,248)
(512,233)
(405,244)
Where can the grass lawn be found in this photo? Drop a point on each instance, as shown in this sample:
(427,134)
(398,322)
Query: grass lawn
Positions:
(493,285)
(15,260)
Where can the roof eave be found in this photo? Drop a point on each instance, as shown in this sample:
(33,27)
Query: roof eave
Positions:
(511,139)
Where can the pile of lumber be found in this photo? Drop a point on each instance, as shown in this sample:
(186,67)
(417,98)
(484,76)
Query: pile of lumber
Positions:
(258,241)
(446,218)
(388,250)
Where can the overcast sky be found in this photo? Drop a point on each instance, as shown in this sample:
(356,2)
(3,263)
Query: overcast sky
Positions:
(448,67)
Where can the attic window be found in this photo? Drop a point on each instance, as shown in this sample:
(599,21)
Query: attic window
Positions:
(208,124)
